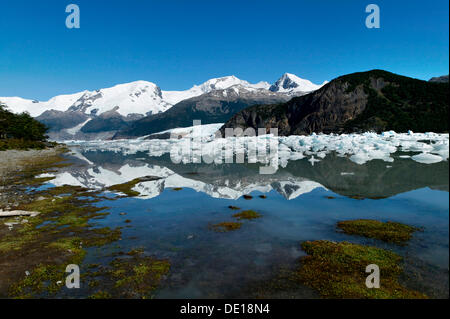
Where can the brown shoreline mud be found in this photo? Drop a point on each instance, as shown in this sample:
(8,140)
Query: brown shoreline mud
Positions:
(12,161)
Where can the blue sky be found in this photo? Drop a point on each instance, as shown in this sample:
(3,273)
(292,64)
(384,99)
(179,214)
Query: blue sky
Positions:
(180,43)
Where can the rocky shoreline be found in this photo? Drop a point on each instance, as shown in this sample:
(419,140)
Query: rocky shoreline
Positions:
(12,161)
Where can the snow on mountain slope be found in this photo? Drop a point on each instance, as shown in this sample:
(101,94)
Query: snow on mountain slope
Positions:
(145,98)
(292,84)
(222,83)
(138,97)
(35,108)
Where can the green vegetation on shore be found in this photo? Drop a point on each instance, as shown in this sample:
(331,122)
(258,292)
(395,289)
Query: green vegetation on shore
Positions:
(35,252)
(337,270)
(21,131)
(389,231)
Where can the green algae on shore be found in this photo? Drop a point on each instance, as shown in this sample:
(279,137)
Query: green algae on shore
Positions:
(337,270)
(56,237)
(391,232)
(34,254)
(130,276)
(247,214)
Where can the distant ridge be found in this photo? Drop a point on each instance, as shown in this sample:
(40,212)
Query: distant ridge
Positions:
(440,79)
(375,100)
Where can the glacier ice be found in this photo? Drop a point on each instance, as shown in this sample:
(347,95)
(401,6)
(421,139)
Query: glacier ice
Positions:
(359,148)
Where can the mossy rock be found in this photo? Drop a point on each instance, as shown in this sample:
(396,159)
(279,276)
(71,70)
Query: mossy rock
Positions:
(337,270)
(390,232)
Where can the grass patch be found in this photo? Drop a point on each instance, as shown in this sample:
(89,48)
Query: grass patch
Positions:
(390,232)
(130,276)
(43,278)
(53,239)
(337,270)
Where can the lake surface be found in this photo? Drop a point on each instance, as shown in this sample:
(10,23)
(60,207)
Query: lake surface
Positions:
(172,216)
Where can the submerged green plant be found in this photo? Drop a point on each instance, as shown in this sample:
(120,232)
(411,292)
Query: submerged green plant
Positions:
(247,214)
(337,270)
(391,232)
(226,226)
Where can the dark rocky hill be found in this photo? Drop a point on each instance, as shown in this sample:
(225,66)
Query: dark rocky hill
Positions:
(375,100)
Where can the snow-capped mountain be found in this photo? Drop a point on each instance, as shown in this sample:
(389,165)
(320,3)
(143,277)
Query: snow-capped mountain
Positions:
(144,98)
(222,83)
(139,97)
(102,113)
(292,84)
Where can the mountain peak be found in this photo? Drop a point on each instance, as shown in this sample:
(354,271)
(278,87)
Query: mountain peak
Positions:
(291,83)
(221,83)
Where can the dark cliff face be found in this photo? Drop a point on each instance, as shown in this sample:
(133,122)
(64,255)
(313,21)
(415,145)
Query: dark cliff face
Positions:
(58,120)
(368,101)
(215,107)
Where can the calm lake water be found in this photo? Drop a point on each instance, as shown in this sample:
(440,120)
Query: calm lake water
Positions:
(304,202)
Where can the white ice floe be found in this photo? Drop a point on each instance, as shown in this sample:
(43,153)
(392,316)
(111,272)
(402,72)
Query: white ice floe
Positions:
(427,158)
(359,148)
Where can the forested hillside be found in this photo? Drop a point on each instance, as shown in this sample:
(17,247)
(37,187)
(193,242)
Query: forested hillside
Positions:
(20,131)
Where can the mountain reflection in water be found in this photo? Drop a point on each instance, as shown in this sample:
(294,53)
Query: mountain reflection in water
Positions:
(374,179)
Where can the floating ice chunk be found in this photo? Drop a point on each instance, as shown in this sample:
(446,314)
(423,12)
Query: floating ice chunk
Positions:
(427,158)
(360,158)
(360,148)
(45,175)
